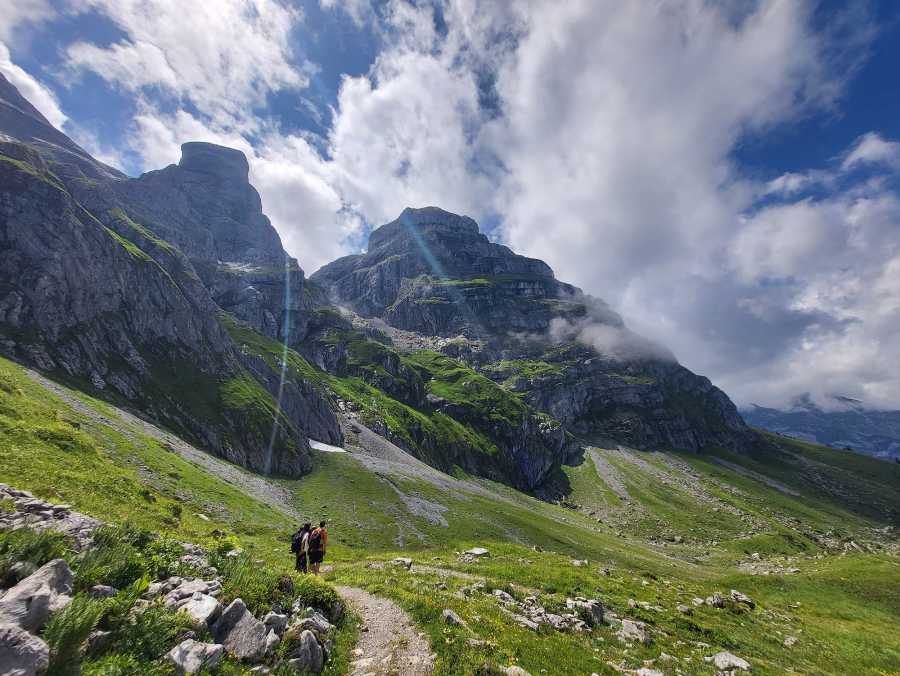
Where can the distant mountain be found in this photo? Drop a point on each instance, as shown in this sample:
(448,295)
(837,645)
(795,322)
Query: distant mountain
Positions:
(847,425)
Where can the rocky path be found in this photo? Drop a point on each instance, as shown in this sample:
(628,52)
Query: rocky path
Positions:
(389,643)
(130,425)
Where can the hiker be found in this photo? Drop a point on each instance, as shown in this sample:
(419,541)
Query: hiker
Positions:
(300,547)
(318,541)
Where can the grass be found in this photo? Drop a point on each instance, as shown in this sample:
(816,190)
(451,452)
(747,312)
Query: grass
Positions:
(123,220)
(842,606)
(32,171)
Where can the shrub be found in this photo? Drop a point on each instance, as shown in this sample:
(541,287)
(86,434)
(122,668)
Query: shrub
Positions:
(151,634)
(67,631)
(316,592)
(257,585)
(32,547)
(108,562)
(162,556)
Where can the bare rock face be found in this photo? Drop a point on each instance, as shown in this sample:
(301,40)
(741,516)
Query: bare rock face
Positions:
(92,288)
(433,273)
(22,654)
(206,206)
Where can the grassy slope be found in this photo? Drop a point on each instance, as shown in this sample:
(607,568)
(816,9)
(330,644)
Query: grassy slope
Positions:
(848,604)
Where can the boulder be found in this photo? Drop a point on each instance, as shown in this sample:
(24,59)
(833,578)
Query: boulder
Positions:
(103,591)
(633,630)
(684,610)
(306,654)
(243,635)
(276,622)
(203,609)
(739,597)
(272,641)
(477,552)
(403,561)
(716,600)
(727,662)
(29,604)
(22,654)
(314,622)
(452,618)
(503,596)
(191,656)
(514,671)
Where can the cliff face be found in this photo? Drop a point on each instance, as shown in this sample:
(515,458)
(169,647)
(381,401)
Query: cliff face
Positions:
(433,273)
(90,293)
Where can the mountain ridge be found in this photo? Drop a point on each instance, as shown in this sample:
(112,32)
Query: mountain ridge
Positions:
(520,375)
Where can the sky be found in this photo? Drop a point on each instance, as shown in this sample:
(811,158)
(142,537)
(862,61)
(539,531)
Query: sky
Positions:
(726,174)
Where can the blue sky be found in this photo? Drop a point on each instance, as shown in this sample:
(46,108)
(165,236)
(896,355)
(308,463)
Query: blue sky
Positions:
(723,173)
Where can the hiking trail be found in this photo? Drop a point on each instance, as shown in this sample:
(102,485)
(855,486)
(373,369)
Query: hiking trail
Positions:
(390,644)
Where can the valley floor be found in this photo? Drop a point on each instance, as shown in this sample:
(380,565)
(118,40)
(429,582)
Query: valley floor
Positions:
(808,533)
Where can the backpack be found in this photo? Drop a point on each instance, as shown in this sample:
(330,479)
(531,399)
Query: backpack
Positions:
(315,539)
(296,541)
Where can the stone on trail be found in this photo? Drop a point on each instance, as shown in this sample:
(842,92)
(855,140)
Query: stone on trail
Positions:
(728,663)
(191,656)
(306,654)
(22,654)
(242,634)
(30,603)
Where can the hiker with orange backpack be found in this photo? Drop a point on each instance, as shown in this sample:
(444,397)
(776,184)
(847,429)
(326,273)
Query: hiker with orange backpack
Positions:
(317,543)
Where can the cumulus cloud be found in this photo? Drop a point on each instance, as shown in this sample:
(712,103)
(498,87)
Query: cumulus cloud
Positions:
(17,13)
(599,136)
(223,57)
(871,148)
(40,96)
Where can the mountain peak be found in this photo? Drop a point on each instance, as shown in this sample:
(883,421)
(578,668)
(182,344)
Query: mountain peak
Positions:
(220,161)
(427,220)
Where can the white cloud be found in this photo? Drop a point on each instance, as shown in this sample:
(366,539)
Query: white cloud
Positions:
(38,94)
(223,57)
(602,134)
(871,148)
(18,13)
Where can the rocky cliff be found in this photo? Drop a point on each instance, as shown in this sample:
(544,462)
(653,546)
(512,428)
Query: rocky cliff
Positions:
(563,352)
(91,294)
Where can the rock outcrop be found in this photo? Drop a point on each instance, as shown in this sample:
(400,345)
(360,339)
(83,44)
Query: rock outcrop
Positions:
(91,294)
(565,353)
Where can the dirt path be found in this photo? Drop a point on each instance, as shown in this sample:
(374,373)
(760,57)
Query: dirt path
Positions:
(131,426)
(390,643)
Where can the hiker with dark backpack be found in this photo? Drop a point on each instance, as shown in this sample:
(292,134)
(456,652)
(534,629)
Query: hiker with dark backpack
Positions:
(300,547)
(318,541)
